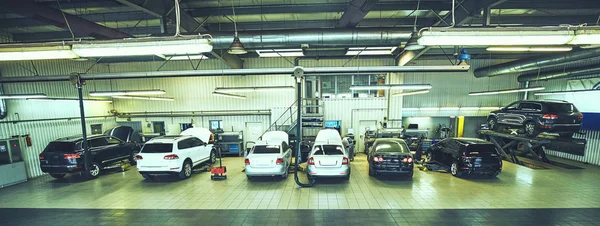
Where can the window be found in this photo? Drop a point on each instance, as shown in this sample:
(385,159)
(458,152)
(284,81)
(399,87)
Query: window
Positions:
(391,146)
(98,142)
(114,140)
(215,124)
(338,86)
(184,126)
(530,106)
(512,106)
(60,147)
(96,128)
(328,150)
(184,144)
(157,148)
(195,142)
(561,107)
(262,149)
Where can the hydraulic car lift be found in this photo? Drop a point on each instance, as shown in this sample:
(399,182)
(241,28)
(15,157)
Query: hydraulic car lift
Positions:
(509,145)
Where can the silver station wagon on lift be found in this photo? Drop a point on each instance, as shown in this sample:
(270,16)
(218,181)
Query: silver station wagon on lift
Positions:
(270,156)
(328,158)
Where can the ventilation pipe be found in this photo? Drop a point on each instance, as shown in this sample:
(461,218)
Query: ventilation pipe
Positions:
(588,70)
(535,63)
(315,38)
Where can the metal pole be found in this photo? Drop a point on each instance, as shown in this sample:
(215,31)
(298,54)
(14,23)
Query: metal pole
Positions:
(84,144)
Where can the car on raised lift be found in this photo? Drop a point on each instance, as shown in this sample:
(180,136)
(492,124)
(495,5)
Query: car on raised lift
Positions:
(466,156)
(176,155)
(390,156)
(328,157)
(66,155)
(270,156)
(537,116)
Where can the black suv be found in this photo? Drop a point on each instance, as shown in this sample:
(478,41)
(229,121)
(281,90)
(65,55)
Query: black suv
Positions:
(466,156)
(65,155)
(538,116)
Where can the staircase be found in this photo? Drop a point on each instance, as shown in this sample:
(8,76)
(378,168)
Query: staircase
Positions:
(312,119)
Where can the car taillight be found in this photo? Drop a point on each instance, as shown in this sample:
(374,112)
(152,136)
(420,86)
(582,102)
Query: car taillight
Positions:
(377,159)
(345,161)
(138,157)
(42,157)
(550,116)
(247,161)
(71,156)
(407,160)
(171,157)
(580,116)
(311,161)
(279,161)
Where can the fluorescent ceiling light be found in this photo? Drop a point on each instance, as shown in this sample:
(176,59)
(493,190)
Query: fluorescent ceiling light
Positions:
(253,89)
(489,108)
(410,109)
(450,108)
(469,108)
(230,95)
(529,49)
(411,93)
(36,53)
(70,100)
(392,86)
(495,37)
(189,57)
(569,91)
(280,52)
(22,96)
(370,51)
(143,48)
(144,98)
(492,92)
(429,109)
(127,92)
(586,37)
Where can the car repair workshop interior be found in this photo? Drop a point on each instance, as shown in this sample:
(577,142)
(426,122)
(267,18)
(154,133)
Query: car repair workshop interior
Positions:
(300,112)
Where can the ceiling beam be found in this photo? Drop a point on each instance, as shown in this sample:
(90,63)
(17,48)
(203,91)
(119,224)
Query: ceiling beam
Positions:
(356,11)
(232,61)
(79,26)
(466,10)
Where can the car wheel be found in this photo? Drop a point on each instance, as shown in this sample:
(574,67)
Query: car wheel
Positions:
(410,175)
(147,176)
(494,174)
(213,157)
(285,174)
(132,160)
(347,177)
(371,172)
(94,171)
(57,175)
(429,156)
(530,129)
(186,170)
(493,124)
(455,171)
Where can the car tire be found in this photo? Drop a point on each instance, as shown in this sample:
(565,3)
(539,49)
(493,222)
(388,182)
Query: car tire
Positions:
(493,124)
(94,171)
(147,176)
(213,156)
(347,177)
(455,171)
(371,172)
(494,174)
(132,160)
(186,170)
(411,174)
(58,175)
(285,174)
(530,129)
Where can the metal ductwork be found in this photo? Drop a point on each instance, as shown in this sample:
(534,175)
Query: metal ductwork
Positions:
(315,38)
(557,74)
(244,72)
(535,63)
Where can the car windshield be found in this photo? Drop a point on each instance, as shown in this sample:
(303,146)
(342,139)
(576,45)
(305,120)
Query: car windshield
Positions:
(60,147)
(328,150)
(157,148)
(391,146)
(271,149)
(561,107)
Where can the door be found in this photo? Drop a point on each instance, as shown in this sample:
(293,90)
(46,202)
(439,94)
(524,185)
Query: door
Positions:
(100,152)
(510,115)
(253,131)
(364,125)
(201,150)
(529,110)
(117,147)
(185,149)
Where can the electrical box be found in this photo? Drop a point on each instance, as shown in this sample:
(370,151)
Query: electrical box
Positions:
(12,166)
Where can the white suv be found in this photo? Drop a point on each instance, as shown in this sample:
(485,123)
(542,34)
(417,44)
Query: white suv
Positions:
(174,155)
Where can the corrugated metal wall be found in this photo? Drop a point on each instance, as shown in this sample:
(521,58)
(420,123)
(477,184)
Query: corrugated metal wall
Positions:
(42,132)
(5,37)
(592,152)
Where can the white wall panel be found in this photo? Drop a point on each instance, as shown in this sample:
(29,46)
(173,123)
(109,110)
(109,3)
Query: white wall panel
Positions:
(42,132)
(592,152)
(350,111)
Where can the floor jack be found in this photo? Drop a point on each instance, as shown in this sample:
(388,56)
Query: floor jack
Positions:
(218,173)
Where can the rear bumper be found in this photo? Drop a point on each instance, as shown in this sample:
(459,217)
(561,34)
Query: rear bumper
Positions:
(342,171)
(158,170)
(266,171)
(482,171)
(560,128)
(398,170)
(61,168)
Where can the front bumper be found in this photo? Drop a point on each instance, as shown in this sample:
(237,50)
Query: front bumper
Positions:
(342,171)
(61,168)
(266,171)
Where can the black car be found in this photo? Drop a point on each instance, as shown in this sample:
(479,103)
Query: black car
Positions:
(535,117)
(66,155)
(466,156)
(390,156)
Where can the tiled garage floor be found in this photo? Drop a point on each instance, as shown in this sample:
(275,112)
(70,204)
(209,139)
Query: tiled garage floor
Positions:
(516,187)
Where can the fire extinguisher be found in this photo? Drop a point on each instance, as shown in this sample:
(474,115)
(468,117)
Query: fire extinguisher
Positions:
(28,140)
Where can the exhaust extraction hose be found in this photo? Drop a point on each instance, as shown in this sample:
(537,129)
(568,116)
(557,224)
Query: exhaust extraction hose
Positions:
(299,135)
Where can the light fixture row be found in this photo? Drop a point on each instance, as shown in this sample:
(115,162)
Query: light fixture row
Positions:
(452,109)
(392,87)
(504,91)
(510,37)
